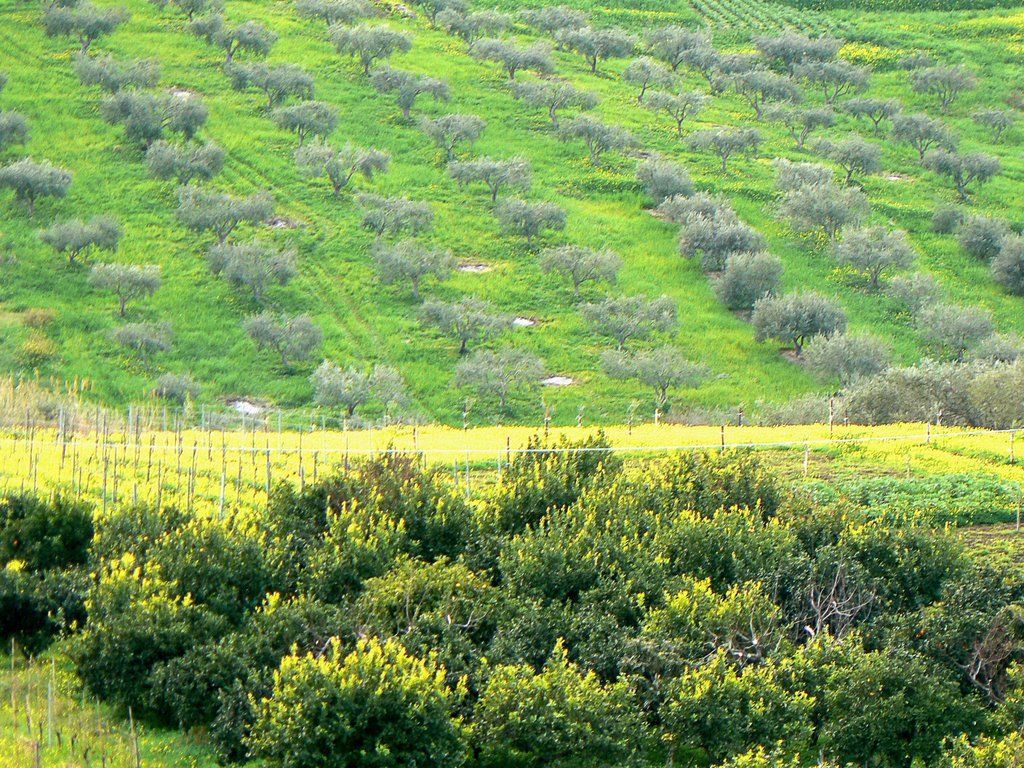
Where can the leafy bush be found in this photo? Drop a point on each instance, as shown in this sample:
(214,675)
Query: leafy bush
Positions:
(44,535)
(546,477)
(386,706)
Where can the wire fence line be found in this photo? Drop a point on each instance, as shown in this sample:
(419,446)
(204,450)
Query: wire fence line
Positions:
(235,471)
(182,445)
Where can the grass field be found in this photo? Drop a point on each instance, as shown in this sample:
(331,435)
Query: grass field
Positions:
(364,321)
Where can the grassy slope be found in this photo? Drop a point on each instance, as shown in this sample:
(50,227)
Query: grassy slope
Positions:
(337,286)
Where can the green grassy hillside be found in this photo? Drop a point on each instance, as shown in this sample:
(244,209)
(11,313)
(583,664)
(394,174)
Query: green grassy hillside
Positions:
(364,321)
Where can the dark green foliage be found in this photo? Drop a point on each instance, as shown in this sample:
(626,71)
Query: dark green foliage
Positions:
(546,476)
(698,611)
(44,535)
(707,483)
(387,708)
(575,719)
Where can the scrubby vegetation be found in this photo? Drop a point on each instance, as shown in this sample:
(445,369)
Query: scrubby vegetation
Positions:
(694,610)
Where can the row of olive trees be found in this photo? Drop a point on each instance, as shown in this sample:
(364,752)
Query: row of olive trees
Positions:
(145,117)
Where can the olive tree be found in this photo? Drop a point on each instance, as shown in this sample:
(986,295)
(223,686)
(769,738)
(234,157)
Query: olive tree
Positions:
(30,181)
(922,133)
(126,281)
(433,8)
(144,339)
(499,374)
(249,36)
(277,82)
(177,387)
(998,121)
(630,317)
(408,260)
(553,19)
(796,317)
(193,8)
(853,154)
(964,170)
(680,106)
(662,369)
(449,131)
(760,87)
(790,176)
(848,357)
(955,328)
(515,173)
(75,237)
(554,97)
(221,214)
(146,116)
(333,12)
(982,237)
(646,72)
(714,238)
(1000,348)
(113,75)
(914,292)
(394,215)
(1008,265)
(341,165)
(84,21)
(833,79)
(185,163)
(307,118)
(350,388)
(581,265)
(726,142)
(536,58)
(681,209)
(717,68)
(671,44)
(369,43)
(599,137)
(292,337)
(468,320)
(13,129)
(254,265)
(407,87)
(947,219)
(529,219)
(791,49)
(875,110)
(944,83)
(801,123)
(663,179)
(596,45)
(827,207)
(874,251)
(474,26)
(749,277)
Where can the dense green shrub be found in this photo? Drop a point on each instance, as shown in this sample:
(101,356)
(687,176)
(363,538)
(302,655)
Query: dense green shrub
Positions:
(549,476)
(384,707)
(699,612)
(44,534)
(559,716)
